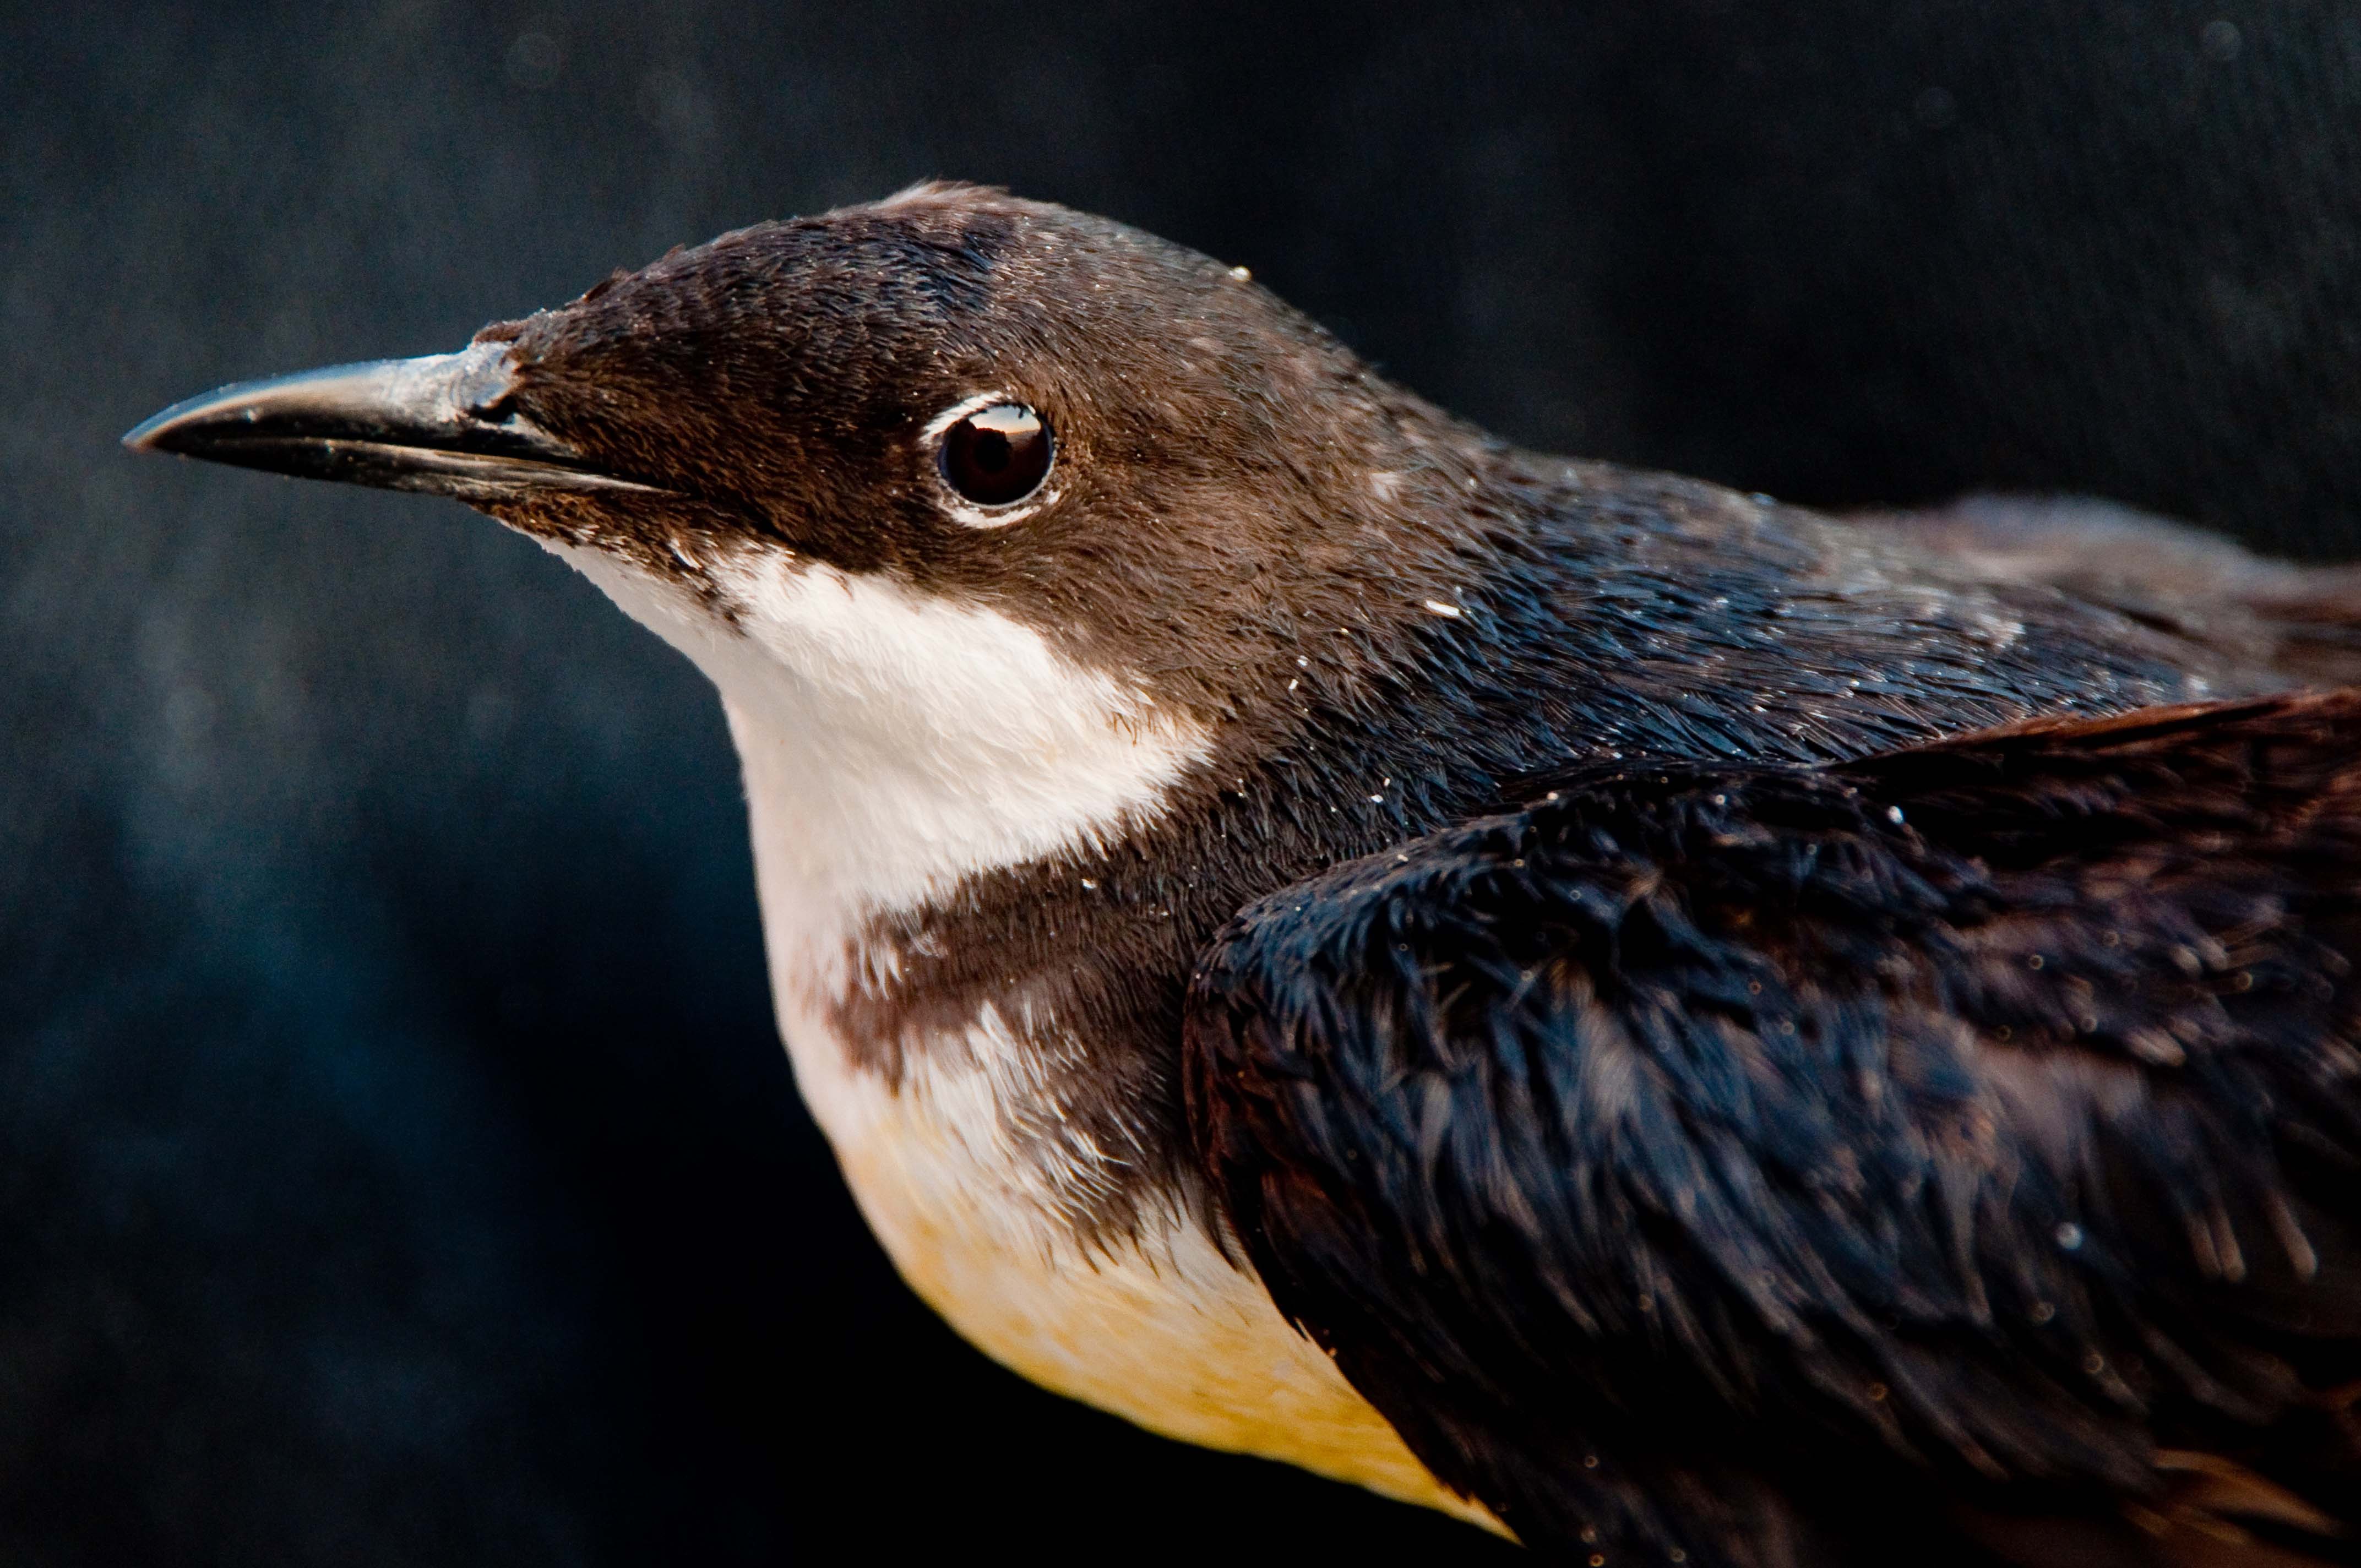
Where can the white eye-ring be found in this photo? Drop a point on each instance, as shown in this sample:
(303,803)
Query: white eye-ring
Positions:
(993,453)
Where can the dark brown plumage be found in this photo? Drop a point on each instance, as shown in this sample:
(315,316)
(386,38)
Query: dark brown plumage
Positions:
(1753,1160)
(1711,1114)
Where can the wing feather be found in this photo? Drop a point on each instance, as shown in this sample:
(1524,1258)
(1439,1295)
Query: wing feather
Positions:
(1754,1163)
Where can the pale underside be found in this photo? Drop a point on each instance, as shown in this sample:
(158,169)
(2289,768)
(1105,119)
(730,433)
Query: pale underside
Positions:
(1161,1330)
(892,745)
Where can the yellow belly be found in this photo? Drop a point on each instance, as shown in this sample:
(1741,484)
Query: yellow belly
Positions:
(1165,1332)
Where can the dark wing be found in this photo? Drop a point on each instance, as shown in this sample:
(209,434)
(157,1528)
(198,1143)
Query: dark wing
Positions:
(2301,622)
(1798,1167)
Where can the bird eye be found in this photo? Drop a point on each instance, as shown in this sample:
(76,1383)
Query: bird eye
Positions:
(998,454)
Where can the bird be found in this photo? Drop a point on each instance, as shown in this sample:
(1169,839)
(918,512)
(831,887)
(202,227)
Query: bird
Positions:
(1672,1026)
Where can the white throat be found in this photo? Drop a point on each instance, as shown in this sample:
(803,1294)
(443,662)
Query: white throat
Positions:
(895,743)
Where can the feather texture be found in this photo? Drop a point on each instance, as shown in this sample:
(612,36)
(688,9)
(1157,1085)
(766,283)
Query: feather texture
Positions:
(1728,1161)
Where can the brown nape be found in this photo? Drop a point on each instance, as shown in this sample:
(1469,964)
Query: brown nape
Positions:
(1234,492)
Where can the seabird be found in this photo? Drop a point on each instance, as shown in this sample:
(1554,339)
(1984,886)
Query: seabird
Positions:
(1681,1029)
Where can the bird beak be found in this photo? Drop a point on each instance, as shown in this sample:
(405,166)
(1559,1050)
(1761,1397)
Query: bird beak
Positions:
(446,425)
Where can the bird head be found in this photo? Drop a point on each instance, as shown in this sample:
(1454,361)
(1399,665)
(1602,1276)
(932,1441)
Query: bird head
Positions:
(979,495)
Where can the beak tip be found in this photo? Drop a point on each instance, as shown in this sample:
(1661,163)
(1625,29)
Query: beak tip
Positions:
(177,430)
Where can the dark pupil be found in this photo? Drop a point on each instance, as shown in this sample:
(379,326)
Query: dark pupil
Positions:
(998,455)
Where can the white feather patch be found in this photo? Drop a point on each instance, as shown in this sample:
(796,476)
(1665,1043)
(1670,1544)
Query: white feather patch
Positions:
(895,743)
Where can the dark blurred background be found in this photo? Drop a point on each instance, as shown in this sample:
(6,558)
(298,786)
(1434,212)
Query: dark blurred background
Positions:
(397,1163)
